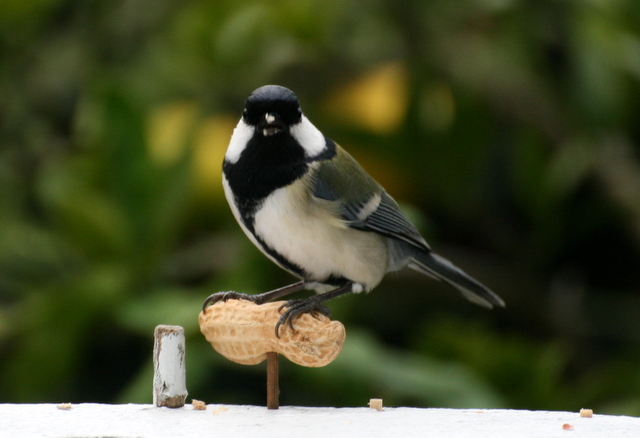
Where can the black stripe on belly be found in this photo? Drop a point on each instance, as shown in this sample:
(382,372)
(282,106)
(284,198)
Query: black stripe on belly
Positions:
(280,259)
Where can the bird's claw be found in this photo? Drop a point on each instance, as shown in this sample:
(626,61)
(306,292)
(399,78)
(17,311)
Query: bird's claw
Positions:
(225,296)
(297,308)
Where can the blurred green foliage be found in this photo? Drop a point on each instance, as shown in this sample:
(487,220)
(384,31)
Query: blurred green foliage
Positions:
(507,128)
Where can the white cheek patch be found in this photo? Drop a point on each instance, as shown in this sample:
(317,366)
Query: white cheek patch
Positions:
(309,137)
(241,136)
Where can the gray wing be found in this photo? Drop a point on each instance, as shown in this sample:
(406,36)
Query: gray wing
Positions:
(387,219)
(362,202)
(364,205)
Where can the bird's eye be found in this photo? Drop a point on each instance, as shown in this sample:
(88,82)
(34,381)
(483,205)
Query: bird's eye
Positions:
(245,114)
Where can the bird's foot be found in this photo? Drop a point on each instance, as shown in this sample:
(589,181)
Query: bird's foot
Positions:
(256,298)
(296,308)
(229,295)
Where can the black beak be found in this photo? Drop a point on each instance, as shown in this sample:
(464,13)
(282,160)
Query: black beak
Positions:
(271,124)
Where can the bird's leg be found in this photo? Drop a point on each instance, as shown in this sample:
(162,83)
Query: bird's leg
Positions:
(306,305)
(257,298)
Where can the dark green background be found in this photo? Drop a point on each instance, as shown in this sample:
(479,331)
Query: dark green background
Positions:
(513,143)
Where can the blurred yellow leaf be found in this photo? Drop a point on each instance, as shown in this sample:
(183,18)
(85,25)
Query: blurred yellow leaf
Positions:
(168,131)
(210,145)
(376,101)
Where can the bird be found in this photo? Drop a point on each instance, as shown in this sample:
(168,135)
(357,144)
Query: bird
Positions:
(312,209)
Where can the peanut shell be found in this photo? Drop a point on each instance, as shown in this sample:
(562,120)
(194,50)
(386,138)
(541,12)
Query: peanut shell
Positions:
(244,332)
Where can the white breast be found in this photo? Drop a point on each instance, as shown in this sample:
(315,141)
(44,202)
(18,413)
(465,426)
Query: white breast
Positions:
(303,230)
(306,232)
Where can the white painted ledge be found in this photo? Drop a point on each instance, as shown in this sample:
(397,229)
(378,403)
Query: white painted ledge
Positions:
(230,421)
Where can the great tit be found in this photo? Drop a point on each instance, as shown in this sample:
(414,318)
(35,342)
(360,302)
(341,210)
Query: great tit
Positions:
(315,212)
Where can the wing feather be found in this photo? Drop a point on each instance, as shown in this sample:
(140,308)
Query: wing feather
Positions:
(362,202)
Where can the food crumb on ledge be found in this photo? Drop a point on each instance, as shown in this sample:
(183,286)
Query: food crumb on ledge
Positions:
(586,413)
(198,405)
(219,410)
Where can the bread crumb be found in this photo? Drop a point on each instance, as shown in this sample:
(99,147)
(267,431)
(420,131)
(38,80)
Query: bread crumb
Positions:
(375,403)
(198,405)
(64,406)
(567,426)
(219,410)
(586,413)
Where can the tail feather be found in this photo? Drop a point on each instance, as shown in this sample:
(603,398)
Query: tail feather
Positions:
(440,268)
